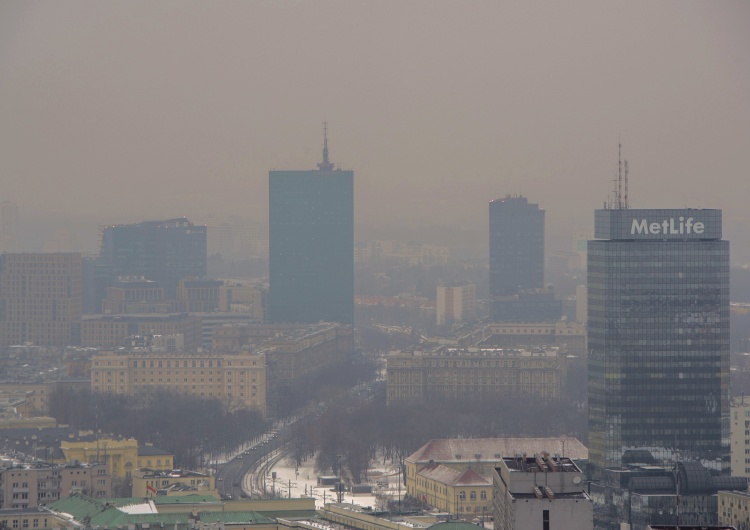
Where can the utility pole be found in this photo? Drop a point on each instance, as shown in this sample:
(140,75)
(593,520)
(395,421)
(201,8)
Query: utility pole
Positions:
(340,485)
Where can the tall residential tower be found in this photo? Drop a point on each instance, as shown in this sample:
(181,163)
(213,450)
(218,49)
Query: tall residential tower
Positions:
(311,239)
(658,324)
(516,246)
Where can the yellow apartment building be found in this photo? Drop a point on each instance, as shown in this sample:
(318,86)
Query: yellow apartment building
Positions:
(36,396)
(120,456)
(464,493)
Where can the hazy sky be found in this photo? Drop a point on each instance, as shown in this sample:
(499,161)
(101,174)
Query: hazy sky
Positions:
(128,110)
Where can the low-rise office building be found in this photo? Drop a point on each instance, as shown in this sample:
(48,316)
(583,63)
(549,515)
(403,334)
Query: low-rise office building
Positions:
(642,494)
(541,491)
(449,372)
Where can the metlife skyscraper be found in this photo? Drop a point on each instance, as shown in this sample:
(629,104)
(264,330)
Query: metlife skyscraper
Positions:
(658,337)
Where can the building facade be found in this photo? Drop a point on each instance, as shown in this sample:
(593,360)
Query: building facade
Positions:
(119,457)
(163,251)
(569,336)
(540,491)
(239,379)
(29,487)
(484,454)
(40,298)
(734,509)
(739,418)
(147,482)
(516,246)
(658,336)
(456,303)
(464,493)
(109,331)
(473,373)
(311,238)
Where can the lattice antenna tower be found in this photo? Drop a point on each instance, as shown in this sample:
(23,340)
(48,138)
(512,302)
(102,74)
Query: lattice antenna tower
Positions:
(326,164)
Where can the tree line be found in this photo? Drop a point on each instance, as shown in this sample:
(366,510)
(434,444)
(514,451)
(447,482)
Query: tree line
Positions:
(188,427)
(352,438)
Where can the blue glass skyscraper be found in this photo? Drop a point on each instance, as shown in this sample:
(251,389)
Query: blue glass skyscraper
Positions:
(658,337)
(311,239)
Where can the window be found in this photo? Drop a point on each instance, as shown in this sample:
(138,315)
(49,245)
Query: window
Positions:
(545,519)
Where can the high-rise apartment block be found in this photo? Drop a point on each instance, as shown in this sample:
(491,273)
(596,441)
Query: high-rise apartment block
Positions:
(40,298)
(516,246)
(311,234)
(456,303)
(658,324)
(517,291)
(162,251)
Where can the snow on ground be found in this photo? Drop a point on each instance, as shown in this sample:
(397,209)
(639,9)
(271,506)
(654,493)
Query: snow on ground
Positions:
(305,482)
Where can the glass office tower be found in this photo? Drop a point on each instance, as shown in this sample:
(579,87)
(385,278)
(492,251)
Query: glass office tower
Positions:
(311,245)
(658,336)
(163,251)
(516,246)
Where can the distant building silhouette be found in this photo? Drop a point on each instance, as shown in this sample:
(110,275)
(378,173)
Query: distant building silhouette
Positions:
(517,292)
(162,251)
(311,238)
(40,298)
(516,246)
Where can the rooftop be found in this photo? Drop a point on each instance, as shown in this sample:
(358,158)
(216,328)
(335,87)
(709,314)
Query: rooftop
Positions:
(494,449)
(540,463)
(453,477)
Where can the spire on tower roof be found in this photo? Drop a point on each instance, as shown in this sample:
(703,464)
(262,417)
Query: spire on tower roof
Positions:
(326,165)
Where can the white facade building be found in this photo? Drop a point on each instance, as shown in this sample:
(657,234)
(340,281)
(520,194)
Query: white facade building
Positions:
(540,492)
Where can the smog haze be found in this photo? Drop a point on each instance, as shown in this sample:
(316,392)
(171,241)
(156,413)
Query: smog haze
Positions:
(123,111)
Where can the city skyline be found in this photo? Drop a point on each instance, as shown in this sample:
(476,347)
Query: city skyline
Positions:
(456,106)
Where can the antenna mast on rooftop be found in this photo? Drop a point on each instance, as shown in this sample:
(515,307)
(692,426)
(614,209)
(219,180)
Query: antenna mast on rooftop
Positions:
(619,198)
(326,164)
